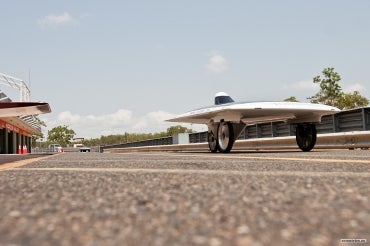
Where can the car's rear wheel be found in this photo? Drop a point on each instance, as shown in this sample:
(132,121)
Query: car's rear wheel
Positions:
(225,137)
(212,142)
(306,135)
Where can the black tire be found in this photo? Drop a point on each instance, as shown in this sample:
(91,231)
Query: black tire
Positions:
(225,137)
(306,136)
(212,142)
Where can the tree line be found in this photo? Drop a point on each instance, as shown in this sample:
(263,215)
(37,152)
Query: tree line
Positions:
(64,136)
(134,137)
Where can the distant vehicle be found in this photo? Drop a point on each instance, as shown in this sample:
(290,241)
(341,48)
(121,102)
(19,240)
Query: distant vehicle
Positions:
(227,119)
(55,148)
(85,149)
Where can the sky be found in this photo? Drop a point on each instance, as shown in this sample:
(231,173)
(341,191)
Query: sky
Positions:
(109,67)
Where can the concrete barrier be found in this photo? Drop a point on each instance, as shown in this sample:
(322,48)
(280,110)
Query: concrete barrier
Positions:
(344,140)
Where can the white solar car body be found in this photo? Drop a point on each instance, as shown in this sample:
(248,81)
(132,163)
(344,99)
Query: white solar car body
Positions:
(227,119)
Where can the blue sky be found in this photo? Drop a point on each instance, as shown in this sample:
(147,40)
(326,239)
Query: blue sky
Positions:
(114,66)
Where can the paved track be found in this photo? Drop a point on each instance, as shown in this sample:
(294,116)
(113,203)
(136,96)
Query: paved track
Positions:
(5,158)
(246,198)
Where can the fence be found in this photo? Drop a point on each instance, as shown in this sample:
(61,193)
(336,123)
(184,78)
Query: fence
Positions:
(342,122)
(149,142)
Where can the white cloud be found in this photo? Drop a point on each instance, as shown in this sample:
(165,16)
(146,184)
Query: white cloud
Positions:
(217,63)
(67,116)
(121,115)
(354,87)
(56,21)
(153,120)
(304,85)
(94,126)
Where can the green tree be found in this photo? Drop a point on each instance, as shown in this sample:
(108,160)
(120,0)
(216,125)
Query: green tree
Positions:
(353,100)
(39,121)
(291,99)
(178,129)
(330,91)
(61,134)
(35,138)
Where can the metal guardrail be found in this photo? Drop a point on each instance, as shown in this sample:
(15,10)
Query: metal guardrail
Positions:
(52,151)
(344,140)
(150,142)
(342,125)
(43,151)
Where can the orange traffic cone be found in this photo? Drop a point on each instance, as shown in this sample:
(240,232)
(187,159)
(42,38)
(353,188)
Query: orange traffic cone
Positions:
(25,150)
(19,150)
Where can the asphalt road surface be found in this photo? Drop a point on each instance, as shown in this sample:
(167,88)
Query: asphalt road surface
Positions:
(244,198)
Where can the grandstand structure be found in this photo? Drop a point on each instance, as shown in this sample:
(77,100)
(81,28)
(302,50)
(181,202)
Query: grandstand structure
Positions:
(16,132)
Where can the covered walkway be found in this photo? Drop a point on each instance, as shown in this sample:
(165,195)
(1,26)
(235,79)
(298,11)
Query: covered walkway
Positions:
(16,132)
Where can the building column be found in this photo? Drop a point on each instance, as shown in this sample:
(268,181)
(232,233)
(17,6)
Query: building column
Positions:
(17,140)
(8,139)
(3,140)
(13,143)
(28,144)
(23,140)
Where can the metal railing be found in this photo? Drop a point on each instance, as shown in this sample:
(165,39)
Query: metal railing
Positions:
(149,142)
